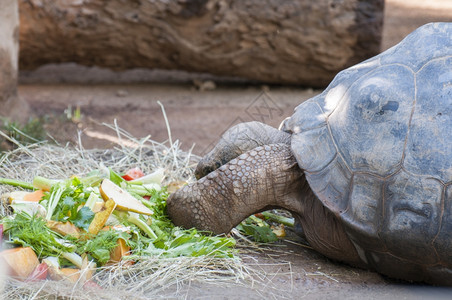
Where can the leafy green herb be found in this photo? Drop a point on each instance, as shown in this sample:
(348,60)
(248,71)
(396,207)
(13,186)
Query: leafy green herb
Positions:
(159,199)
(258,229)
(192,243)
(32,232)
(101,245)
(83,218)
(173,241)
(71,199)
(65,202)
(115,177)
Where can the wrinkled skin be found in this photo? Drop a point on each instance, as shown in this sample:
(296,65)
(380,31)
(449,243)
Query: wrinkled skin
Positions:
(252,169)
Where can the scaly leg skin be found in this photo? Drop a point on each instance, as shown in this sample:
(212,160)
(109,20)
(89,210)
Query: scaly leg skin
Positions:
(237,140)
(260,179)
(263,178)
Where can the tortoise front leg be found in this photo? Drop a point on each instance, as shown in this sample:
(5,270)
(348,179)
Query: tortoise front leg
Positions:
(238,140)
(257,180)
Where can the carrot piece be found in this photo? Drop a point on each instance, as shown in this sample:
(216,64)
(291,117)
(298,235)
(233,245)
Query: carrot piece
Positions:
(64,229)
(20,262)
(35,196)
(119,251)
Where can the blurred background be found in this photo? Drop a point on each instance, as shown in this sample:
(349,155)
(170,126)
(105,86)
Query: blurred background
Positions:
(211,63)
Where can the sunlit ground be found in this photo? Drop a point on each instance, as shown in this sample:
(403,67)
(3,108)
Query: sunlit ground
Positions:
(404,16)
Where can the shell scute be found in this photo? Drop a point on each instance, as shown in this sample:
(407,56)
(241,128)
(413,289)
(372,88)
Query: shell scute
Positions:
(371,124)
(429,144)
(315,149)
(421,46)
(363,214)
(412,214)
(443,242)
(332,184)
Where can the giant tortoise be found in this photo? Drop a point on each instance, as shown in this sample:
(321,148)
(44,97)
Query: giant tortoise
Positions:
(365,167)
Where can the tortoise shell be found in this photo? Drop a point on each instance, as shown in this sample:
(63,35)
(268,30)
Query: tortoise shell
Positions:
(376,148)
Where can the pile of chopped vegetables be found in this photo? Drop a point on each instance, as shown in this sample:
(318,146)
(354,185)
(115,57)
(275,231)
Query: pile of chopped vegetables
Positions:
(80,223)
(53,228)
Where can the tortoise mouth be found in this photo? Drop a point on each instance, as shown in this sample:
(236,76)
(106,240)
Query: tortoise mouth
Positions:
(298,228)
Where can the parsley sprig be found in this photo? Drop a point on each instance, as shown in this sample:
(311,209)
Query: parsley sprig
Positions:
(65,202)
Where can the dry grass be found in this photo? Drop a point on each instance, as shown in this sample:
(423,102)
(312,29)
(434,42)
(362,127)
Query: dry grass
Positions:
(151,277)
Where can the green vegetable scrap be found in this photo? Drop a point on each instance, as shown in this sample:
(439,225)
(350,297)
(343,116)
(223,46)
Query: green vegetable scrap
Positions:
(193,243)
(172,241)
(72,201)
(29,231)
(258,229)
(65,202)
(101,245)
(16,183)
(279,219)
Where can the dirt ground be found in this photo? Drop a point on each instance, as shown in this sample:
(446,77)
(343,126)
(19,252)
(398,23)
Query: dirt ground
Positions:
(199,117)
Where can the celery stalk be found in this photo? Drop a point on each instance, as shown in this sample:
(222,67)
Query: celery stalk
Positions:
(135,219)
(143,190)
(91,200)
(73,258)
(154,177)
(279,219)
(44,184)
(17,183)
(53,202)
(70,256)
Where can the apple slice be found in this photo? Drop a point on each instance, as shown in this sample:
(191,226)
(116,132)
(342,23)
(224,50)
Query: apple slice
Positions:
(123,200)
